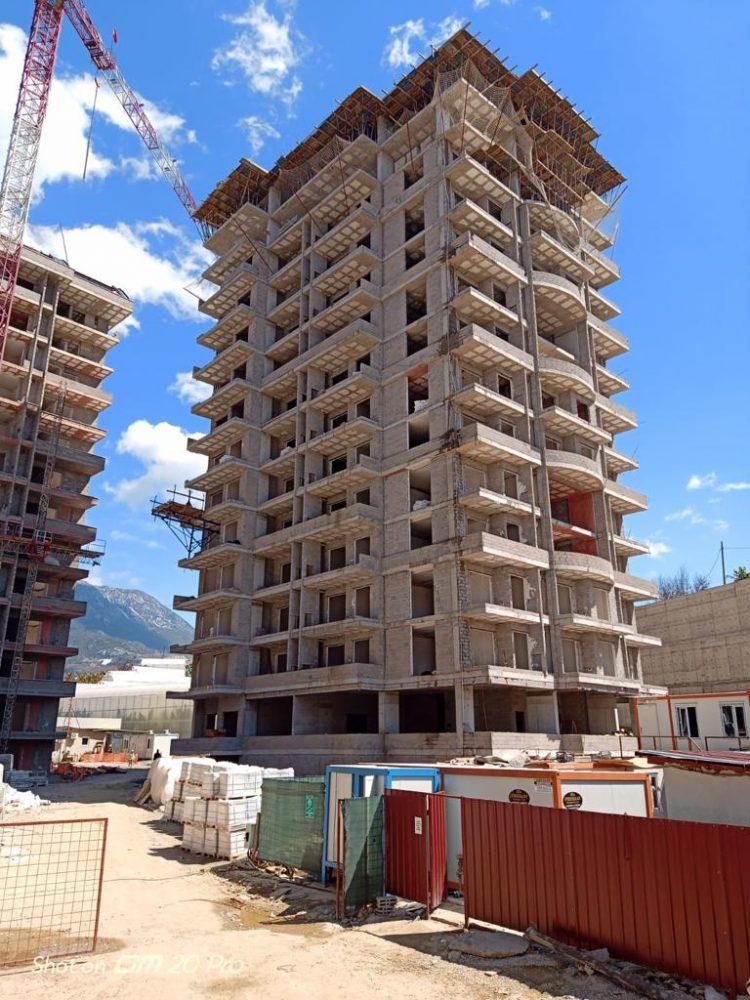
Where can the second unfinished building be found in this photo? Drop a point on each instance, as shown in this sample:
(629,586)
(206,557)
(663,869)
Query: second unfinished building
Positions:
(415,536)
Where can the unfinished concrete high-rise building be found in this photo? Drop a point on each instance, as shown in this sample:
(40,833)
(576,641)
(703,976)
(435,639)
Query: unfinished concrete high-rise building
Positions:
(50,398)
(415,543)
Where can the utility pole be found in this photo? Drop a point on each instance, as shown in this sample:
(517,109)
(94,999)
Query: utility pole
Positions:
(723,564)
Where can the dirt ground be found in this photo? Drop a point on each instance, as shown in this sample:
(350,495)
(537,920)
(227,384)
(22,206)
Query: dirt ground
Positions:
(173,926)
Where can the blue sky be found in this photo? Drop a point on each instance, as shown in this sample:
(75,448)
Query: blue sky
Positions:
(663,82)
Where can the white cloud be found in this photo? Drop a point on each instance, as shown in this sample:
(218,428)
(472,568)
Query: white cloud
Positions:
(481,4)
(140,168)
(656,549)
(114,578)
(189,389)
(257,131)
(266,51)
(544,13)
(162,450)
(687,513)
(126,536)
(699,482)
(151,261)
(721,525)
(402,49)
(711,481)
(62,149)
(732,487)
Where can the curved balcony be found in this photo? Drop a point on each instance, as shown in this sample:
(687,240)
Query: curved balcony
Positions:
(222,399)
(473,180)
(214,555)
(563,422)
(237,284)
(338,350)
(348,435)
(615,417)
(503,614)
(483,403)
(635,588)
(569,473)
(220,437)
(348,232)
(468,216)
(559,303)
(485,549)
(350,390)
(554,220)
(566,376)
(602,307)
(338,277)
(476,260)
(610,382)
(285,347)
(227,469)
(582,566)
(482,349)
(488,446)
(627,546)
(350,307)
(249,220)
(548,252)
(360,153)
(623,499)
(287,310)
(220,368)
(224,332)
(608,343)
(617,462)
(355,477)
(477,307)
(487,501)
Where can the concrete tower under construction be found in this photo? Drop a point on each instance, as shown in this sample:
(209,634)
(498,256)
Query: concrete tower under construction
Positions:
(414,537)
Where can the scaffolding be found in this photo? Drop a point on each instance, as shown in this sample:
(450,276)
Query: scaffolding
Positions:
(183,513)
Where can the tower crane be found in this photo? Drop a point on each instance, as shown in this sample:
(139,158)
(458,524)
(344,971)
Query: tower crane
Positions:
(35,545)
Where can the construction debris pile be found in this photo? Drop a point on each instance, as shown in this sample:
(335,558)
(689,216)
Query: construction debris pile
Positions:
(219,803)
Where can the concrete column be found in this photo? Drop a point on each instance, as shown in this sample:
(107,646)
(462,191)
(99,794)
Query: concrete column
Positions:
(388,712)
(248,721)
(465,707)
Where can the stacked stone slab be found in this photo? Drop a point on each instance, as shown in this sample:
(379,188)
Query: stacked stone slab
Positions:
(218,804)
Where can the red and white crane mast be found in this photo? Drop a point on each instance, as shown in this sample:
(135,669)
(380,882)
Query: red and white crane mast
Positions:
(28,121)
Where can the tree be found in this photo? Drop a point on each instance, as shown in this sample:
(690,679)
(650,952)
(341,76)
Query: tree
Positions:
(741,573)
(680,584)
(90,677)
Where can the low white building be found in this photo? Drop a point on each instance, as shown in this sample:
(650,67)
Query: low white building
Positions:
(133,700)
(690,722)
(705,787)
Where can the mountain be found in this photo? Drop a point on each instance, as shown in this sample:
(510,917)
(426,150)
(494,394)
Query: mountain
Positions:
(123,625)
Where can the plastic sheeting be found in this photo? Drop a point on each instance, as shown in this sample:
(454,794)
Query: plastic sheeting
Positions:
(290,826)
(363,869)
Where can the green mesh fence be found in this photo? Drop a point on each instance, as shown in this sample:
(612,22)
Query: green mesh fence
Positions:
(290,826)
(363,850)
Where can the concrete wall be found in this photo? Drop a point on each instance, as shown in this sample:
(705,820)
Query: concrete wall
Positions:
(706,798)
(705,640)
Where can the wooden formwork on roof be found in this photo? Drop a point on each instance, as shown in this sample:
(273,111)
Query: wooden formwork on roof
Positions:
(246,183)
(562,139)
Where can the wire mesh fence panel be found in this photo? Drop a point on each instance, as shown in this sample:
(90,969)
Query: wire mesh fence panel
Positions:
(50,888)
(363,869)
(290,825)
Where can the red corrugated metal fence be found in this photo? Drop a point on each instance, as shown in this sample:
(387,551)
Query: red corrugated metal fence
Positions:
(670,894)
(415,846)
